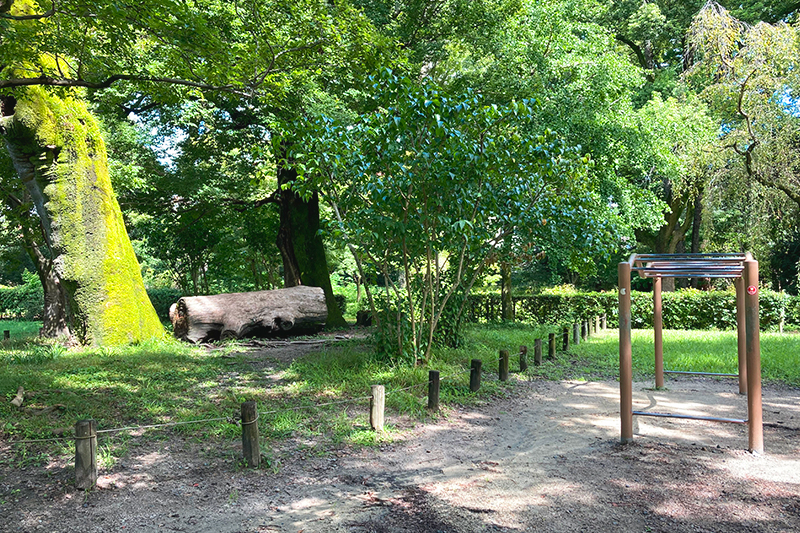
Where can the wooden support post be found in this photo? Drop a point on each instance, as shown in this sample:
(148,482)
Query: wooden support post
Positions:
(537,352)
(584,330)
(741,332)
(603,322)
(6,334)
(475,375)
(376,407)
(250,448)
(658,326)
(523,358)
(85,454)
(625,354)
(433,390)
(503,365)
(565,335)
(551,345)
(576,333)
(752,325)
(597,324)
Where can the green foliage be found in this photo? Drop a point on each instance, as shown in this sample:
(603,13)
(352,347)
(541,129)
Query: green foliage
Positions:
(428,185)
(687,309)
(162,299)
(23,302)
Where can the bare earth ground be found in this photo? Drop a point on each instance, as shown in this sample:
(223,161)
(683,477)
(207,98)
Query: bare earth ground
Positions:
(547,459)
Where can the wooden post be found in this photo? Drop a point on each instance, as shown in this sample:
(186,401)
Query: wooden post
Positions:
(551,345)
(250,447)
(597,324)
(376,407)
(603,322)
(584,330)
(475,375)
(741,332)
(85,454)
(433,390)
(565,343)
(752,325)
(576,333)
(658,326)
(537,352)
(625,354)
(6,334)
(503,365)
(523,358)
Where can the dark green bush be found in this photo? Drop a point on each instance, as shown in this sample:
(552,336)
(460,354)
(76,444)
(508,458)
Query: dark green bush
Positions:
(23,302)
(162,299)
(682,309)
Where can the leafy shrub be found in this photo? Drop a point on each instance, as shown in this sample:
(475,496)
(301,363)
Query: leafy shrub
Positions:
(683,309)
(23,302)
(162,299)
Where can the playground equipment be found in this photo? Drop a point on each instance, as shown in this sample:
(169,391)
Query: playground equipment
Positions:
(743,269)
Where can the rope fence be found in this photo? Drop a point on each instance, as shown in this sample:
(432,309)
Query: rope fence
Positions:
(86,431)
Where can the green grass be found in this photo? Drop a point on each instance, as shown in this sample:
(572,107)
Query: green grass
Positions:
(167,381)
(693,351)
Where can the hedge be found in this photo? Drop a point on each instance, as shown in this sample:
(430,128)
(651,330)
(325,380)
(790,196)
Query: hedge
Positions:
(682,309)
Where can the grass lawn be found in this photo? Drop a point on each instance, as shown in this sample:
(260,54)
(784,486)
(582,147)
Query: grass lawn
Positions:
(168,381)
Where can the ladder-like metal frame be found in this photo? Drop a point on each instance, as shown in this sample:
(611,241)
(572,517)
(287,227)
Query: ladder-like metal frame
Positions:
(743,269)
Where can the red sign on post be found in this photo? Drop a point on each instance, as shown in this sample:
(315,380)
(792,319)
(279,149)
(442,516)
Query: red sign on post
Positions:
(752,289)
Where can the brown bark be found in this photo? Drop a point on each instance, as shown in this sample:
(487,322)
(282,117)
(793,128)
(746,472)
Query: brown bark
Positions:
(295,310)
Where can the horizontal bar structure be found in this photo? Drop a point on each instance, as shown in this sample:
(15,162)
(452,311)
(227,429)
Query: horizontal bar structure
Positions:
(691,417)
(688,265)
(701,373)
(743,269)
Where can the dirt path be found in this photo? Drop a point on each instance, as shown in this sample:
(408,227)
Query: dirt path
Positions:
(545,460)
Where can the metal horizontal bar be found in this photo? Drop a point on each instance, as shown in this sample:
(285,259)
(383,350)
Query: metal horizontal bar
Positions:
(687,275)
(688,256)
(700,373)
(691,417)
(689,269)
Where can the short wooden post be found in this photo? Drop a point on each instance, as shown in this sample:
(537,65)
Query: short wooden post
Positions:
(585,330)
(250,447)
(603,322)
(376,407)
(503,365)
(6,334)
(433,390)
(85,454)
(523,358)
(597,324)
(565,340)
(576,333)
(537,352)
(551,345)
(475,375)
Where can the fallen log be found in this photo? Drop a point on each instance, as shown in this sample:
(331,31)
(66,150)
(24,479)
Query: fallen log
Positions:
(293,311)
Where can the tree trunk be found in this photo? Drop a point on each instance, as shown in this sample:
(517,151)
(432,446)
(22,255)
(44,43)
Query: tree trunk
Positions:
(296,310)
(301,246)
(90,275)
(507,302)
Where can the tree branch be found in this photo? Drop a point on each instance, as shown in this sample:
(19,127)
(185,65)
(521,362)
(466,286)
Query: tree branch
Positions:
(108,82)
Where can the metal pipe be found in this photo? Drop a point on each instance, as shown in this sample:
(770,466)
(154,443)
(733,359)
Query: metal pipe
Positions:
(658,326)
(625,354)
(701,373)
(691,417)
(753,341)
(741,335)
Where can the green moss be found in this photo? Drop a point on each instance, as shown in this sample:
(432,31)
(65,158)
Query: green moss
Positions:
(96,258)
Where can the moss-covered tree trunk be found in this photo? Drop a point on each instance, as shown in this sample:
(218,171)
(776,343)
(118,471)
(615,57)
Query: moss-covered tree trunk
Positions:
(86,262)
(301,247)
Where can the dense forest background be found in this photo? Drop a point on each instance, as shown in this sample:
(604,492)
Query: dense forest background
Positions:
(422,149)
